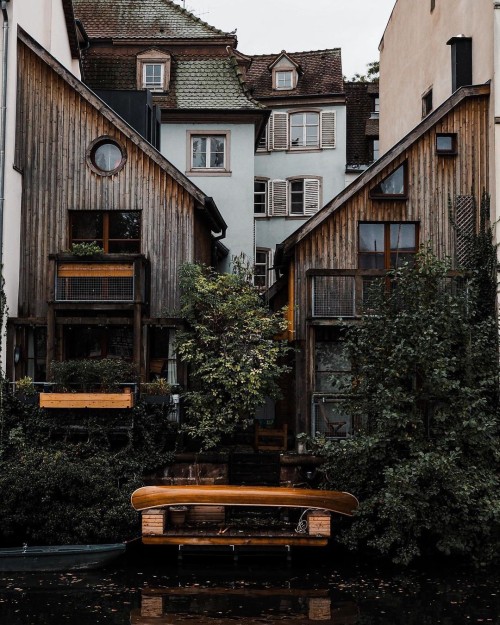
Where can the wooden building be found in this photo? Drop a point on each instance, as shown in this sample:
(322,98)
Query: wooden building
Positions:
(398,203)
(88,176)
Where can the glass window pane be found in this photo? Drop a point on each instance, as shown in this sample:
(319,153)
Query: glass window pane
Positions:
(107,157)
(403,237)
(399,259)
(86,225)
(394,184)
(312,119)
(444,143)
(312,137)
(199,152)
(371,238)
(125,225)
(216,152)
(371,261)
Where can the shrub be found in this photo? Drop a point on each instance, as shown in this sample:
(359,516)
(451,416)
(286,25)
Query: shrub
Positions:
(86,374)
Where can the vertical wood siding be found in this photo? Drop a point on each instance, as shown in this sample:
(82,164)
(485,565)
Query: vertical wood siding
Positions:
(55,126)
(432,179)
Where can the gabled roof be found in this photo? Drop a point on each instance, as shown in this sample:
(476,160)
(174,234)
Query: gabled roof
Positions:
(142,19)
(321,73)
(284,55)
(201,199)
(285,248)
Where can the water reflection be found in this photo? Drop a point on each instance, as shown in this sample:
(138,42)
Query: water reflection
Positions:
(152,594)
(222,606)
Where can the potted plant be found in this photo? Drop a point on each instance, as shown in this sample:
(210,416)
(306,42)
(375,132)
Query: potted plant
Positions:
(26,390)
(301,439)
(157,392)
(86,249)
(89,383)
(177,515)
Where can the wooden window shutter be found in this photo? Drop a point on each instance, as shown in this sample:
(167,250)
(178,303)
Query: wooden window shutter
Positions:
(279,127)
(311,196)
(328,129)
(278,198)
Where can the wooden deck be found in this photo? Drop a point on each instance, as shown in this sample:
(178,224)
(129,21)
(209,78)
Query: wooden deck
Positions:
(250,538)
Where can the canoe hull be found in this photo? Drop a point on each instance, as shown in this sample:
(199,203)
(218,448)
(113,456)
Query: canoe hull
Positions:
(59,558)
(160,496)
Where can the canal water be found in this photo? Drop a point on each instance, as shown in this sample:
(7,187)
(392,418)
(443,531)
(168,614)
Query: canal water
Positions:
(253,592)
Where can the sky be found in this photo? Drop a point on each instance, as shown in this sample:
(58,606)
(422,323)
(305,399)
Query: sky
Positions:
(266,26)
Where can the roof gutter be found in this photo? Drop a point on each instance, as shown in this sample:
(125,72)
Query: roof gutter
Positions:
(3,116)
(217,222)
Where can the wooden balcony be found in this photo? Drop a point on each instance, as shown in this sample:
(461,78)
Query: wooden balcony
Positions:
(105,278)
(345,293)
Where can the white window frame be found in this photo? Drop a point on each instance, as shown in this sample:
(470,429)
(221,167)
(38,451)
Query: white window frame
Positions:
(309,185)
(266,265)
(156,86)
(209,135)
(281,85)
(263,181)
(304,125)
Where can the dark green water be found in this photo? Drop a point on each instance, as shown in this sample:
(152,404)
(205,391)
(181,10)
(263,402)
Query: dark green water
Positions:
(259,592)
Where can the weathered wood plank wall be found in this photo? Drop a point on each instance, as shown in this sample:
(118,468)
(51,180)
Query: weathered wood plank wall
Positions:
(55,126)
(432,179)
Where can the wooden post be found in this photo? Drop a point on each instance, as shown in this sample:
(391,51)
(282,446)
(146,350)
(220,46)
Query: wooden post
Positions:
(51,336)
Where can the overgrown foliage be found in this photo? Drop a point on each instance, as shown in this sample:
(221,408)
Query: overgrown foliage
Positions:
(105,374)
(425,460)
(234,361)
(68,480)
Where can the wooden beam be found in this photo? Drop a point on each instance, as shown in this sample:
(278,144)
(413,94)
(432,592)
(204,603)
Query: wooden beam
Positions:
(250,541)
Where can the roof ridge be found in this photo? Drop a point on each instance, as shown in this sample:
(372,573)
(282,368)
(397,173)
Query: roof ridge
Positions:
(241,79)
(276,54)
(196,18)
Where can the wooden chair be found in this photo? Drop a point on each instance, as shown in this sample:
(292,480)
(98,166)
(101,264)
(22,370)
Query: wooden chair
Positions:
(270,439)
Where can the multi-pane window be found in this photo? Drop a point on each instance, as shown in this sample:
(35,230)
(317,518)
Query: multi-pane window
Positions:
(427,104)
(260,197)
(284,79)
(392,186)
(261,268)
(117,232)
(297,197)
(208,151)
(152,76)
(386,245)
(304,130)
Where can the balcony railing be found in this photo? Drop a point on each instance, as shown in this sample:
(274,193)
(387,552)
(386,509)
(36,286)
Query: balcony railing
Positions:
(343,293)
(329,417)
(110,279)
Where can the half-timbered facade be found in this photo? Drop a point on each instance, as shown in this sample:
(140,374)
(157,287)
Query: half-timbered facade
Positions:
(89,177)
(398,203)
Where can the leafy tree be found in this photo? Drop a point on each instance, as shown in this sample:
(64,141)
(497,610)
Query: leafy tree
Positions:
(425,461)
(229,345)
(372,73)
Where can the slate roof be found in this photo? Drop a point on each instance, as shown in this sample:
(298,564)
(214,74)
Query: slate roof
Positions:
(321,74)
(195,82)
(359,104)
(142,19)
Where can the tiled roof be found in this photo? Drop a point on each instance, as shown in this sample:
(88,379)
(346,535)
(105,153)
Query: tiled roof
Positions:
(321,74)
(141,19)
(359,104)
(195,83)
(209,83)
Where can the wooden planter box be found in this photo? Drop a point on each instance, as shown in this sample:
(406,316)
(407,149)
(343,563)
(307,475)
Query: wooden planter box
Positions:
(87,400)
(319,523)
(153,522)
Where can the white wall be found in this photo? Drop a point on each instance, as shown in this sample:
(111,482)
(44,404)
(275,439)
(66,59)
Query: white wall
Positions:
(44,21)
(414,57)
(232,193)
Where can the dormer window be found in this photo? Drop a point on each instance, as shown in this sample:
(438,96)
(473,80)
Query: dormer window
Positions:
(284,80)
(153,70)
(285,72)
(152,76)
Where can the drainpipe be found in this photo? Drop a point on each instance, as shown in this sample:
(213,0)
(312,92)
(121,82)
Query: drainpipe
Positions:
(3,117)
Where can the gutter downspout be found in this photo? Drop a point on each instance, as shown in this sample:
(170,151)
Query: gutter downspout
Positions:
(3,118)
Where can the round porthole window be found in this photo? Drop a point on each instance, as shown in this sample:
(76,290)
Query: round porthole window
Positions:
(106,156)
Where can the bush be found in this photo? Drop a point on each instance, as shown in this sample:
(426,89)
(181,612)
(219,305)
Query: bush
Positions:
(86,374)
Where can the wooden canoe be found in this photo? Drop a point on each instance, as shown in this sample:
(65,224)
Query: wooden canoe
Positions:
(161,496)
